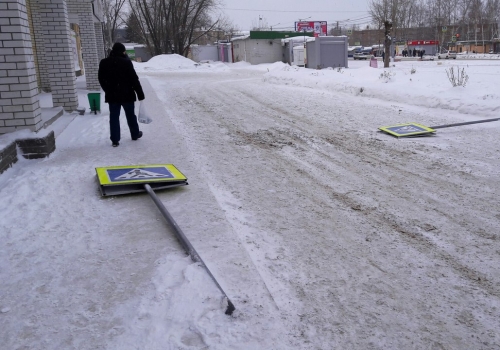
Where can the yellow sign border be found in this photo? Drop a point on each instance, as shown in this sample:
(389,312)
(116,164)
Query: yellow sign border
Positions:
(104,179)
(425,131)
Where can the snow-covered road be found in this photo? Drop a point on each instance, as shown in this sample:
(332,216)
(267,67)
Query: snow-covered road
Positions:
(324,232)
(362,240)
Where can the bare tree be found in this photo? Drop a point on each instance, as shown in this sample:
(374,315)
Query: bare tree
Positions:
(405,17)
(492,9)
(475,20)
(113,19)
(225,30)
(387,42)
(463,9)
(171,26)
(151,21)
(186,18)
(386,12)
(228,27)
(419,18)
(133,30)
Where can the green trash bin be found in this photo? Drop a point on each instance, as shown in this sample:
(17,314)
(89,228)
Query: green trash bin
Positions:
(95,101)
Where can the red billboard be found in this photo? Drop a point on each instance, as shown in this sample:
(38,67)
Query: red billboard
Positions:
(319,28)
(423,42)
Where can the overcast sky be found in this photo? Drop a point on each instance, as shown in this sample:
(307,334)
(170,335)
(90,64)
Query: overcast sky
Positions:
(282,14)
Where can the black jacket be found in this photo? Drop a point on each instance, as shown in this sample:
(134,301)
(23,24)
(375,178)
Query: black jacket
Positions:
(119,80)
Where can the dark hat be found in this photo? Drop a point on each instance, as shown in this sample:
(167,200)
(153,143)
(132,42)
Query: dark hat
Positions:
(119,47)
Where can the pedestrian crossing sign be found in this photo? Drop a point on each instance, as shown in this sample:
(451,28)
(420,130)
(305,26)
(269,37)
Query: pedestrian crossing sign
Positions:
(116,180)
(408,129)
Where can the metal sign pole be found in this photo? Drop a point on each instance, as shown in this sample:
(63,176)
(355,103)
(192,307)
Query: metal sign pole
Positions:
(186,244)
(465,123)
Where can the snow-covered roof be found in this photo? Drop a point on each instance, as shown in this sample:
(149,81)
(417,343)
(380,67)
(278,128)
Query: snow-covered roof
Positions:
(130,46)
(295,39)
(243,37)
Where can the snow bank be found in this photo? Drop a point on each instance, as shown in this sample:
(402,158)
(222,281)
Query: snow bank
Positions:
(176,62)
(422,84)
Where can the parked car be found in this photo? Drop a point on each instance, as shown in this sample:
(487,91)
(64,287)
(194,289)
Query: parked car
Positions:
(352,50)
(362,55)
(448,54)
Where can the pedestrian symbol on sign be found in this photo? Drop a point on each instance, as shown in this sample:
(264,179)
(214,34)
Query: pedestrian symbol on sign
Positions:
(139,174)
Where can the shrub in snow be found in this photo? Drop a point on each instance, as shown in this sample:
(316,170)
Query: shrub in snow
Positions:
(386,76)
(413,71)
(460,79)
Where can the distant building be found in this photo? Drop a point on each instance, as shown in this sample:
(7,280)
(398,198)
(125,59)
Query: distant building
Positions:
(459,38)
(261,46)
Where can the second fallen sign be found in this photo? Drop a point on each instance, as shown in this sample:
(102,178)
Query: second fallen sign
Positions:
(415,129)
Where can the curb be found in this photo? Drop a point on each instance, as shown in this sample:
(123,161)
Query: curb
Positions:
(31,148)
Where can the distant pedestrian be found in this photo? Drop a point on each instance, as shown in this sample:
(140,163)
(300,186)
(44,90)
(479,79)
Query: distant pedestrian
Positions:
(414,52)
(120,83)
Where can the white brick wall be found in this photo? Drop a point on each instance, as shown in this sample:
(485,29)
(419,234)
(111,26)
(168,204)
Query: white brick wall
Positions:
(19,99)
(99,41)
(39,47)
(89,41)
(58,53)
(50,38)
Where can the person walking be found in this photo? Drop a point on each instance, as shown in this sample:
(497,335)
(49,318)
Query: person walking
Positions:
(121,84)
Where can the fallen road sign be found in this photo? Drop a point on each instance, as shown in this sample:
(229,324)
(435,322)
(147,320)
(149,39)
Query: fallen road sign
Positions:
(408,129)
(116,180)
(415,129)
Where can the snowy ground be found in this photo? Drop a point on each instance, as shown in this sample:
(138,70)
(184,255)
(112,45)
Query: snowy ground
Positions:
(324,232)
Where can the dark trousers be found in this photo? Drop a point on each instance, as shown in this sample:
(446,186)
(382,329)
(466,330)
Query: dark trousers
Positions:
(114,120)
